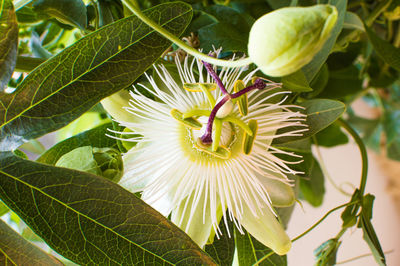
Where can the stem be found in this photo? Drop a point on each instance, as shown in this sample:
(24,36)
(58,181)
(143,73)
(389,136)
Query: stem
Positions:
(377,11)
(323,218)
(182,44)
(207,137)
(363,151)
(258,84)
(20,4)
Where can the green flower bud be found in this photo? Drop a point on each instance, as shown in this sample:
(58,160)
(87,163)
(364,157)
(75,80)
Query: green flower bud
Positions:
(106,162)
(283,41)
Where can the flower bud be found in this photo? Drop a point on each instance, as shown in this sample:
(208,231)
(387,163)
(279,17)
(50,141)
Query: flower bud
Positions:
(283,41)
(106,162)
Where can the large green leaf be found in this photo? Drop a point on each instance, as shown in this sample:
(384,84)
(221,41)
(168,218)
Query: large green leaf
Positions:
(91,220)
(8,41)
(67,85)
(223,248)
(250,251)
(312,68)
(71,12)
(15,250)
(312,186)
(95,137)
(320,114)
(384,49)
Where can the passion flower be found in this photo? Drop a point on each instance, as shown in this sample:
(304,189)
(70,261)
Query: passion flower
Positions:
(234,175)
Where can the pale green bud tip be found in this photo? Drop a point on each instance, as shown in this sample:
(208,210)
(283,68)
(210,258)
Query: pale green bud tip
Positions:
(283,41)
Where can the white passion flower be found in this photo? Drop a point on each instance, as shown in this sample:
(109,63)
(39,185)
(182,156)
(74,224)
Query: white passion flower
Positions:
(204,150)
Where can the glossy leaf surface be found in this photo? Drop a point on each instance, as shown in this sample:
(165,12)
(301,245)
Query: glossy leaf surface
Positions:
(69,84)
(91,220)
(8,41)
(15,250)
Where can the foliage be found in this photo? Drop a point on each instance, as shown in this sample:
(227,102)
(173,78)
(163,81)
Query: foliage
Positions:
(59,59)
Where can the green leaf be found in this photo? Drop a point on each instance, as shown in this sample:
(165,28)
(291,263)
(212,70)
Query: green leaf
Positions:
(8,41)
(326,252)
(95,137)
(353,21)
(312,187)
(230,31)
(70,83)
(223,249)
(342,83)
(393,150)
(296,82)
(3,209)
(389,53)
(15,250)
(250,251)
(369,234)
(349,215)
(91,220)
(331,136)
(312,68)
(72,12)
(320,114)
(391,118)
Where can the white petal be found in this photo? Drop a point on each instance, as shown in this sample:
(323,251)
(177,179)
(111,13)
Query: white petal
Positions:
(280,193)
(267,229)
(114,106)
(195,220)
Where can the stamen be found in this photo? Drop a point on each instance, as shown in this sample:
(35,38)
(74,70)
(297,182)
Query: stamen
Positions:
(248,140)
(258,85)
(242,102)
(189,122)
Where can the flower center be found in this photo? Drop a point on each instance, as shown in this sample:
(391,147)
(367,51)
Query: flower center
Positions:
(214,133)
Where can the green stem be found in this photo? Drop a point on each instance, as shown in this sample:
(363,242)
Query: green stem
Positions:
(182,44)
(368,21)
(363,151)
(323,218)
(377,11)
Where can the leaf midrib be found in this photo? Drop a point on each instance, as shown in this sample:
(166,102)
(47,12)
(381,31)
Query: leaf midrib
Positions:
(77,78)
(81,214)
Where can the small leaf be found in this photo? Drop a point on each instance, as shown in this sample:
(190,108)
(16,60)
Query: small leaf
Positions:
(320,114)
(312,186)
(389,53)
(95,137)
(369,234)
(349,215)
(312,68)
(72,12)
(326,252)
(98,65)
(91,220)
(8,41)
(296,82)
(353,21)
(250,251)
(342,83)
(331,136)
(15,250)
(223,249)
